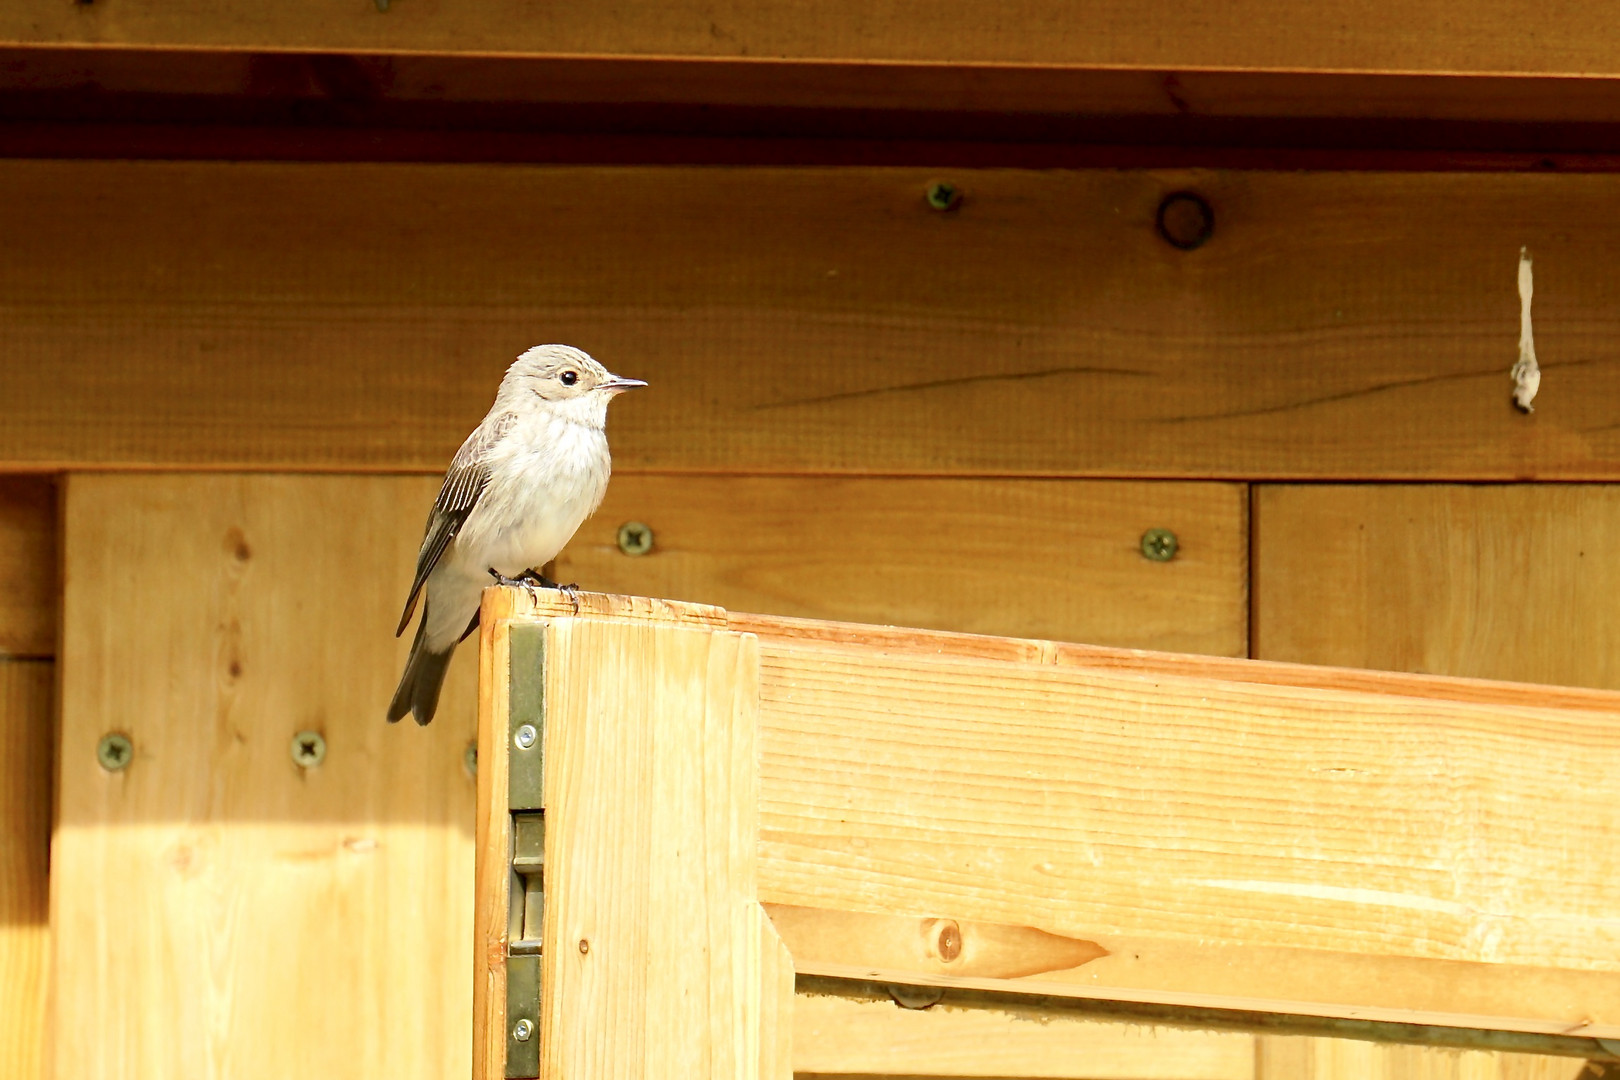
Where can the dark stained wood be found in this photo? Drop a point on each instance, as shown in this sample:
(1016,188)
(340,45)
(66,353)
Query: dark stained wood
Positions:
(810,320)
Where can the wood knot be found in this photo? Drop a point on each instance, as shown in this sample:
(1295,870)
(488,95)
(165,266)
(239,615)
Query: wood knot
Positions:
(947,939)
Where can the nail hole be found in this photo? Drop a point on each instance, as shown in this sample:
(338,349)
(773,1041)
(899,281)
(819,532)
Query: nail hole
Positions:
(1185,220)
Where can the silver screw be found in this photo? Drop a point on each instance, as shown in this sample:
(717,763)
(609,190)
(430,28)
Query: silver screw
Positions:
(114,751)
(1159,545)
(526,736)
(469,758)
(523,1030)
(308,749)
(635,538)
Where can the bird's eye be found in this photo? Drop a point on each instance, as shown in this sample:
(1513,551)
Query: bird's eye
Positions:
(569,378)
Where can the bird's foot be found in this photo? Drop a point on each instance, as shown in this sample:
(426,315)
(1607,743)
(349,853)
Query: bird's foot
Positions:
(531,581)
(524,581)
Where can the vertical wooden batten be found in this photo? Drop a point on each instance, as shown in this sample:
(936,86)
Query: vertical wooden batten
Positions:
(655,957)
(27,688)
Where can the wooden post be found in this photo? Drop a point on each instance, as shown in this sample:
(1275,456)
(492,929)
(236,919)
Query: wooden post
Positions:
(654,956)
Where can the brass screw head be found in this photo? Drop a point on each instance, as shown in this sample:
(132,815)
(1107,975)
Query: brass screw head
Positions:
(1159,545)
(523,1030)
(635,538)
(115,751)
(943,195)
(308,749)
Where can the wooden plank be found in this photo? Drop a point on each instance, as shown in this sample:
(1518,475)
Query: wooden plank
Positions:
(837,1036)
(1415,37)
(1040,559)
(28,578)
(268,921)
(835,323)
(1498,582)
(778,1011)
(1281,849)
(652,963)
(1286,1057)
(26,691)
(47,82)
(492,863)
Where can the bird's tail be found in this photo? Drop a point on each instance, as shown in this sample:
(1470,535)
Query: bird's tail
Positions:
(419,687)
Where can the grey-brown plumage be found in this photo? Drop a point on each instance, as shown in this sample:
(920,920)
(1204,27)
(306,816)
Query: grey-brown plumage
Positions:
(517,490)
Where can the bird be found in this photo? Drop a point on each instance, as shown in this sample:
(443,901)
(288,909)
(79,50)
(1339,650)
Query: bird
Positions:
(524,481)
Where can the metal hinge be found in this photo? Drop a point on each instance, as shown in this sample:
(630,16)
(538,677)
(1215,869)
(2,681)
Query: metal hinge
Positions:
(526,785)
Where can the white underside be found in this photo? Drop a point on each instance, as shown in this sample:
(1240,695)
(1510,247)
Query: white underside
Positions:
(546,477)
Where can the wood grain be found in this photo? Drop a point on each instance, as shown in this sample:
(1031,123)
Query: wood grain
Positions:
(831,323)
(1285,1057)
(88,76)
(653,961)
(1511,582)
(1220,841)
(1423,36)
(28,578)
(492,862)
(220,911)
(27,688)
(1499,582)
(1039,559)
(835,1036)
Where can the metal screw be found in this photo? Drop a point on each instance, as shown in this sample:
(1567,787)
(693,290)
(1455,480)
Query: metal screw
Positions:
(308,749)
(523,1030)
(469,758)
(1185,220)
(943,196)
(635,538)
(526,736)
(114,751)
(1159,545)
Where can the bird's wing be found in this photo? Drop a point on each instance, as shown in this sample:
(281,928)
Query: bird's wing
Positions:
(463,484)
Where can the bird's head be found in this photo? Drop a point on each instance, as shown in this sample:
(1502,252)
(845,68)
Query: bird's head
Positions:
(569,380)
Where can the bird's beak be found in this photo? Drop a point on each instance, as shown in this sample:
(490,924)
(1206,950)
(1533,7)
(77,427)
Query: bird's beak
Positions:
(618,385)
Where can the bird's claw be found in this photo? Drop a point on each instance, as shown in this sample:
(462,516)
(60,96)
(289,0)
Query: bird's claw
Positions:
(531,581)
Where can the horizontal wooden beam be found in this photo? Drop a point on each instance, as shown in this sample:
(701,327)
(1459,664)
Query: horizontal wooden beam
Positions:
(1424,36)
(1175,839)
(1038,558)
(143,83)
(810,320)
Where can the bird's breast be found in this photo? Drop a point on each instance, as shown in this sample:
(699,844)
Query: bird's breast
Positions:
(542,487)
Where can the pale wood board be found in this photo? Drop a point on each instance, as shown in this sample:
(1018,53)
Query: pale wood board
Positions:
(652,960)
(832,322)
(217,910)
(27,688)
(835,1036)
(1035,558)
(778,1010)
(1228,842)
(1424,35)
(1286,1057)
(28,578)
(1512,582)
(492,863)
